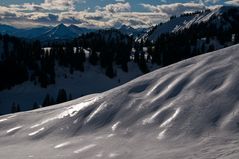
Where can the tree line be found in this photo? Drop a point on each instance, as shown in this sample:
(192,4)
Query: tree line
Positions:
(61,97)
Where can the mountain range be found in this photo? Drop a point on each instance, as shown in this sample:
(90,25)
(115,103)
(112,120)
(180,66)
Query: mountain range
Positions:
(60,32)
(218,16)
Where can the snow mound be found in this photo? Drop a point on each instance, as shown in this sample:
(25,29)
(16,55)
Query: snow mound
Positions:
(186,110)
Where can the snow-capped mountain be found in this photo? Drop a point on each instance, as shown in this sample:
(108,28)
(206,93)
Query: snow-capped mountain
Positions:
(46,33)
(186,110)
(60,32)
(222,17)
(128,30)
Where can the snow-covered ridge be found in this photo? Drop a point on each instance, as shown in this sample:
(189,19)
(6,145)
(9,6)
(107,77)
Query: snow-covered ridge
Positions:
(181,111)
(184,22)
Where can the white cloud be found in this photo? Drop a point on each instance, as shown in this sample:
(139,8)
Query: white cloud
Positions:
(117,7)
(58,5)
(212,1)
(119,0)
(174,8)
(232,2)
(106,19)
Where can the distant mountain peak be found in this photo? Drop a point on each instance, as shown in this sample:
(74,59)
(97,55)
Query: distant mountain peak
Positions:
(126,27)
(73,25)
(61,25)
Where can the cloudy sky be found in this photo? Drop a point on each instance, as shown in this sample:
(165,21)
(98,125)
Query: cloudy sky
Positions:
(99,13)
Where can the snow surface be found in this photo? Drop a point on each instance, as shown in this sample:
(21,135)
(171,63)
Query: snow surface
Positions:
(186,110)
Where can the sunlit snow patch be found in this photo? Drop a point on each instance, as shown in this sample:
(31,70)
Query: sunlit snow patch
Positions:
(115,126)
(99,155)
(110,135)
(2,120)
(161,134)
(5,119)
(88,147)
(113,155)
(99,109)
(36,132)
(152,118)
(171,118)
(73,110)
(62,145)
(14,129)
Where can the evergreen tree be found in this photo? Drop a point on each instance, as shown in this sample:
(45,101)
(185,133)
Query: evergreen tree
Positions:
(236,38)
(211,48)
(110,71)
(70,97)
(35,106)
(124,67)
(80,59)
(18,108)
(46,101)
(61,97)
(6,45)
(203,48)
(142,64)
(52,101)
(13,108)
(93,57)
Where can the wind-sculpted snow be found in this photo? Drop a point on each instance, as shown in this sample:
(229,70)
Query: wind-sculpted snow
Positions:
(187,110)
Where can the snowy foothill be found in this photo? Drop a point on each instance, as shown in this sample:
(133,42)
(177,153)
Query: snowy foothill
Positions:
(186,110)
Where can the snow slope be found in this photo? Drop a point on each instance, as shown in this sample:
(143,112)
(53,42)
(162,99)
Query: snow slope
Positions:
(187,110)
(180,23)
(168,27)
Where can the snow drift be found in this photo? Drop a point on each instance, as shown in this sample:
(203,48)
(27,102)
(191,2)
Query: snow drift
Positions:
(187,110)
